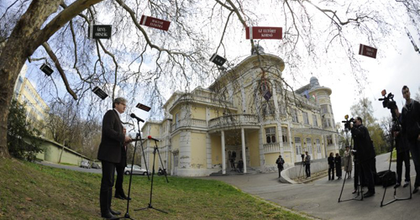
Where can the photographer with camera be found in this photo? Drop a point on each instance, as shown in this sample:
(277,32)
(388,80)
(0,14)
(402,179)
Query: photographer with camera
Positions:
(365,154)
(307,165)
(410,123)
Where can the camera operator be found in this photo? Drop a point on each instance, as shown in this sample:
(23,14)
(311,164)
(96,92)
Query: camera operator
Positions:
(307,165)
(365,154)
(410,123)
(403,154)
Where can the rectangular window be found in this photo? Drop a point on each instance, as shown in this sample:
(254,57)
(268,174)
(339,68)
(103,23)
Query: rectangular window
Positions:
(284,134)
(270,134)
(324,109)
(326,123)
(282,109)
(315,121)
(298,146)
(329,140)
(294,116)
(268,108)
(318,146)
(305,118)
(309,145)
(177,120)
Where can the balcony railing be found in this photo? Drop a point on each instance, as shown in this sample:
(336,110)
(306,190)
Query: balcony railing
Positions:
(190,123)
(203,99)
(233,121)
(272,148)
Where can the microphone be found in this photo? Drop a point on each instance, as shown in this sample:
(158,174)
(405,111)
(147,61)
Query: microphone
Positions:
(134,116)
(150,138)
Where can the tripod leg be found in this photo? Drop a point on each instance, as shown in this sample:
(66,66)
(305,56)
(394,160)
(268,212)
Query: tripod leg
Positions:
(342,187)
(153,174)
(161,163)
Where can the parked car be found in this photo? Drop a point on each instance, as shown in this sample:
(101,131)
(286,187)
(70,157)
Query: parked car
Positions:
(136,170)
(95,165)
(85,164)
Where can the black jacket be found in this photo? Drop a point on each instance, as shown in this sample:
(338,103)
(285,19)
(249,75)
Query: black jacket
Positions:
(331,161)
(112,138)
(337,161)
(280,163)
(410,120)
(362,143)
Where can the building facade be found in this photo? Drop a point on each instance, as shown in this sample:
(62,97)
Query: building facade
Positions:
(36,108)
(248,114)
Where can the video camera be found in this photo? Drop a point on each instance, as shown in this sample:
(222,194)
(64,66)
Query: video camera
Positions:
(388,100)
(347,122)
(389,103)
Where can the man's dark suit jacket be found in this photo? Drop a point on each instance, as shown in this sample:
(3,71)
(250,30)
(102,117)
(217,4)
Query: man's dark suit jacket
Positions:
(112,138)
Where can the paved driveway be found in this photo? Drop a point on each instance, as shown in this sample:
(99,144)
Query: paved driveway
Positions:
(320,198)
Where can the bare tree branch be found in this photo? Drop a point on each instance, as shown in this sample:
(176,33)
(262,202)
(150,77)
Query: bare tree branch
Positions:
(60,69)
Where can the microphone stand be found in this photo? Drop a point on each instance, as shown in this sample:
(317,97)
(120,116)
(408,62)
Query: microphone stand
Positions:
(127,215)
(138,138)
(156,149)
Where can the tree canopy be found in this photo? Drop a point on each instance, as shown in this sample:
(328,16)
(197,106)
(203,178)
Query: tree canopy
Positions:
(151,62)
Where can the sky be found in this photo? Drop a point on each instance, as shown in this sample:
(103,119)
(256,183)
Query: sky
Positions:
(399,66)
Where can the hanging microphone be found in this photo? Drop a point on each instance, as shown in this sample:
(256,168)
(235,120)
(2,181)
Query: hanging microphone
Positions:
(150,138)
(134,116)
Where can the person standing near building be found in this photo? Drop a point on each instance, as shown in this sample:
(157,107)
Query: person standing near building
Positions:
(410,123)
(331,166)
(365,154)
(337,161)
(307,164)
(109,154)
(280,164)
(347,163)
(240,166)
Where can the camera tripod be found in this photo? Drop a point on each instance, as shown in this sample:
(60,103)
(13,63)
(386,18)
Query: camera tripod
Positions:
(357,174)
(155,150)
(301,173)
(389,170)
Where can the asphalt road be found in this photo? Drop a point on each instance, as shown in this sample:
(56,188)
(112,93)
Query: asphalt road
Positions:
(75,168)
(319,198)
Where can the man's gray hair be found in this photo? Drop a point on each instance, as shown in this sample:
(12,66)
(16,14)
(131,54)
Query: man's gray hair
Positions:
(118,101)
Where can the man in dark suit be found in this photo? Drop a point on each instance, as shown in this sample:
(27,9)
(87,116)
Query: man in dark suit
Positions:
(365,155)
(109,154)
(307,164)
(119,191)
(410,124)
(280,164)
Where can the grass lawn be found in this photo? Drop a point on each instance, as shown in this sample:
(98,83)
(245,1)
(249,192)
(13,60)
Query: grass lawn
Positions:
(33,191)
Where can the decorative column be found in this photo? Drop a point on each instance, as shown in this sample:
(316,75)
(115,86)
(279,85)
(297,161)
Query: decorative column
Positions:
(243,148)
(223,154)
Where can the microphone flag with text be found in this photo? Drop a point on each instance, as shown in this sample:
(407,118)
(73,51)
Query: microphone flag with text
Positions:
(151,138)
(134,116)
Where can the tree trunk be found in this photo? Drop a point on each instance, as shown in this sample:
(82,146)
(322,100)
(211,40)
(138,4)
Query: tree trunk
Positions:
(25,38)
